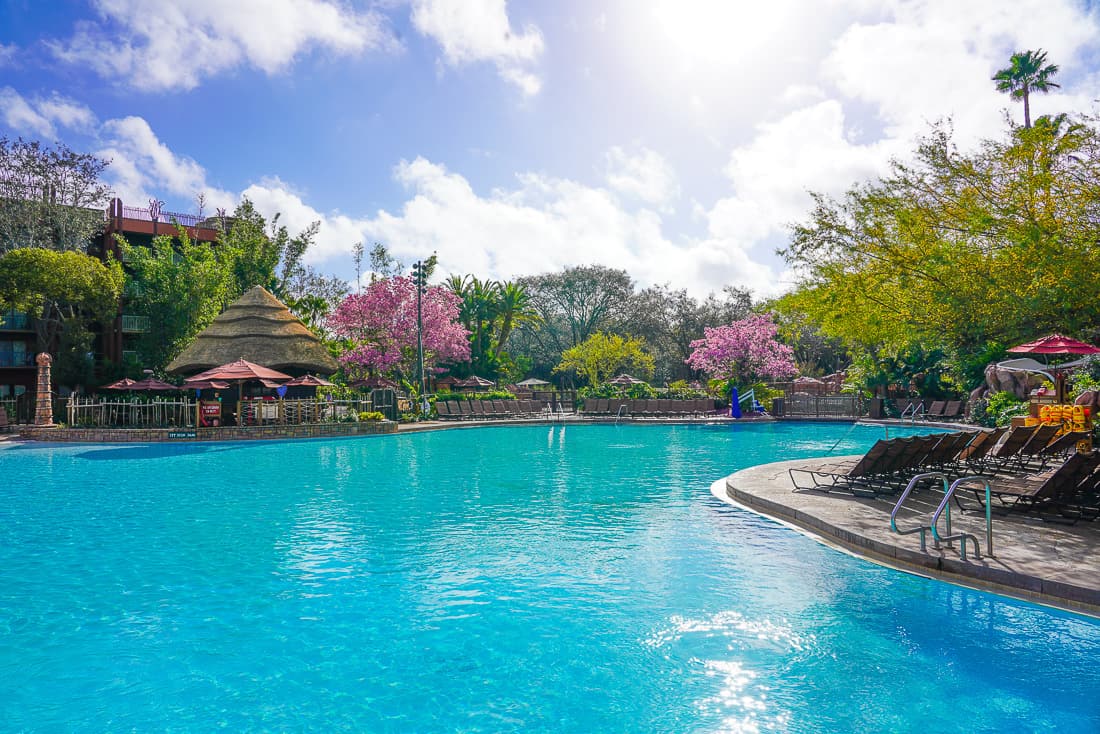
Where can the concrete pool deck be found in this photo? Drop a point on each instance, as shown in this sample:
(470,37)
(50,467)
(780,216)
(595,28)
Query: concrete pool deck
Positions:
(1045,562)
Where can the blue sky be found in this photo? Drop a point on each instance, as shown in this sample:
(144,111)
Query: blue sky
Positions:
(674,138)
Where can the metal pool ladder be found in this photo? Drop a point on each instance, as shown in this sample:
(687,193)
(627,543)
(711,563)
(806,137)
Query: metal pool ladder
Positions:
(944,508)
(619,414)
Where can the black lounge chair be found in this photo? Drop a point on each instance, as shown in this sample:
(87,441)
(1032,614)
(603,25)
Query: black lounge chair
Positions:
(1058,486)
(980,446)
(872,467)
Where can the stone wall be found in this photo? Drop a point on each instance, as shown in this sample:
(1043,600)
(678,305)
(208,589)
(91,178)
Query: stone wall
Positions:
(223,433)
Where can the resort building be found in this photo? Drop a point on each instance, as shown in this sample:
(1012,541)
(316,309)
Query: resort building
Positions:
(114,342)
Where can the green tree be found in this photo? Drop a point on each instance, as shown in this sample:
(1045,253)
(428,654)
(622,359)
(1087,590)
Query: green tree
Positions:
(65,293)
(601,356)
(1027,72)
(181,286)
(49,197)
(490,311)
(956,251)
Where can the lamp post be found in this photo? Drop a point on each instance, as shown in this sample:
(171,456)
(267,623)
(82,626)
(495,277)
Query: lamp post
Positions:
(420,278)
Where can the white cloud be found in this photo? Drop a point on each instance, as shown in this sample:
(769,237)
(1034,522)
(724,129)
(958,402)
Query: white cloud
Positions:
(807,150)
(42,116)
(646,176)
(471,31)
(174,44)
(935,58)
(7,53)
(142,167)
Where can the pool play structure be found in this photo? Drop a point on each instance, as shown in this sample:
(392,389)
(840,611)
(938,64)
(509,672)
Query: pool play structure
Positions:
(558,577)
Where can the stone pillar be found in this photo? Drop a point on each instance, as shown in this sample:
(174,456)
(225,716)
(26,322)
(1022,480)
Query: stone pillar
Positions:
(43,407)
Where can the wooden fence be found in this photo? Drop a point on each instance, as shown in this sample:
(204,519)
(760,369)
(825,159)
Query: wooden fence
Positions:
(88,411)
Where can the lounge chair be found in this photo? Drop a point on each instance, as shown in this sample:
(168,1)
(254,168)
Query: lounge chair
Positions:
(4,425)
(1054,486)
(982,444)
(870,468)
(953,409)
(937,409)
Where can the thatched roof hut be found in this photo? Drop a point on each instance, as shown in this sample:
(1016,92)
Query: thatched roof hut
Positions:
(260,328)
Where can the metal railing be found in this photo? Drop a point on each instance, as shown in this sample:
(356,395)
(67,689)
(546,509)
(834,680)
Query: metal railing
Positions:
(16,359)
(824,406)
(185,220)
(132,324)
(12,320)
(254,412)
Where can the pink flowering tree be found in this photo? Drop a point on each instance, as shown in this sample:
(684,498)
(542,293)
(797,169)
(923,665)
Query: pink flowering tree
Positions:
(379,328)
(746,351)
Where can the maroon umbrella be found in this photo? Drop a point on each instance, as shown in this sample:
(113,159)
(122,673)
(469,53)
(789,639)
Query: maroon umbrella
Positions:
(1055,344)
(240,370)
(375,383)
(152,384)
(308,381)
(207,385)
(124,384)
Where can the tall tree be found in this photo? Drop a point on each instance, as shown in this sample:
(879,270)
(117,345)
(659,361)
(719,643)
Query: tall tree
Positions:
(379,329)
(959,250)
(49,197)
(745,351)
(601,356)
(570,305)
(65,293)
(181,286)
(1027,72)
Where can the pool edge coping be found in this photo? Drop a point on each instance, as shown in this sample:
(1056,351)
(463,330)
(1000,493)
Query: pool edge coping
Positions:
(892,556)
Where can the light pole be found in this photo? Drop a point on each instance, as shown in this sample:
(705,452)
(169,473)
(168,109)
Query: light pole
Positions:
(420,278)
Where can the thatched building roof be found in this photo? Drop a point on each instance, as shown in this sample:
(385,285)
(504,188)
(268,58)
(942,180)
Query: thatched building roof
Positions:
(259,328)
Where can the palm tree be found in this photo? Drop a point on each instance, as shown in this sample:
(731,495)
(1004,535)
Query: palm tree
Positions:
(514,307)
(1028,72)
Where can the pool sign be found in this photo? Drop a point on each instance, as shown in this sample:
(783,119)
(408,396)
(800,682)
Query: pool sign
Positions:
(210,413)
(183,434)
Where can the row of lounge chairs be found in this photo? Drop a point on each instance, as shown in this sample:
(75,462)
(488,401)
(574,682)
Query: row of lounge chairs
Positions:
(920,408)
(488,409)
(890,463)
(660,408)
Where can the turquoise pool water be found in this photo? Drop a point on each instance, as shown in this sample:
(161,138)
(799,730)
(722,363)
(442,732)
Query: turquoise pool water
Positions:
(563,579)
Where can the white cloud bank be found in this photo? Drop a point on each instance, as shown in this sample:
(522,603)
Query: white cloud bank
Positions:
(158,45)
(472,31)
(43,116)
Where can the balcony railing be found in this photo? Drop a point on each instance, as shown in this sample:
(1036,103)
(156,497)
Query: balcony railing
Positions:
(14,321)
(134,324)
(16,359)
(185,220)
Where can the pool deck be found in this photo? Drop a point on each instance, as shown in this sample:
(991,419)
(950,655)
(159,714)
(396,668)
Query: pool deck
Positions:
(1045,562)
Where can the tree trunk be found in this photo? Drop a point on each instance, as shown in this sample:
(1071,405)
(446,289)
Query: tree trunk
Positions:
(1027,110)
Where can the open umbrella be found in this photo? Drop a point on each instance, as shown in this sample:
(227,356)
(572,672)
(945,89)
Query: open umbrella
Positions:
(532,382)
(475,382)
(207,385)
(240,371)
(308,381)
(625,379)
(1056,344)
(124,384)
(152,384)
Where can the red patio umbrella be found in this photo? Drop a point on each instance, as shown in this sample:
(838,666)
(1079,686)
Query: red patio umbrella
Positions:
(207,385)
(152,384)
(474,381)
(124,384)
(375,383)
(1056,344)
(309,381)
(241,370)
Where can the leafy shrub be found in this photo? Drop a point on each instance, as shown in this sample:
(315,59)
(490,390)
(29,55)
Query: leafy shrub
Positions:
(371,415)
(998,409)
(634,392)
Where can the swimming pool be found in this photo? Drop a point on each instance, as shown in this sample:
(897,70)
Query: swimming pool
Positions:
(538,578)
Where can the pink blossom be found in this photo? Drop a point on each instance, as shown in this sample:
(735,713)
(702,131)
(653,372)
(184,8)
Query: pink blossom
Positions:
(746,350)
(380,327)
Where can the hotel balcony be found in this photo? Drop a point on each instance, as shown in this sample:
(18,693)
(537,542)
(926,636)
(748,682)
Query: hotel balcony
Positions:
(134,324)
